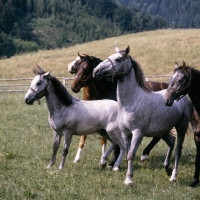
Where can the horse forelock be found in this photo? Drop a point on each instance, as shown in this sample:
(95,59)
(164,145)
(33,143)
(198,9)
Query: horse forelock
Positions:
(38,70)
(140,77)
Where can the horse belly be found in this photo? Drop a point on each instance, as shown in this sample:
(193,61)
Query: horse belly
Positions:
(150,123)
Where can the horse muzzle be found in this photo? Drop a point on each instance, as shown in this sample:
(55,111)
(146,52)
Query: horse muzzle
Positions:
(29,101)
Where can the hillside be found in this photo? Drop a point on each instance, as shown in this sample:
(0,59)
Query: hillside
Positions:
(27,26)
(182,14)
(156,51)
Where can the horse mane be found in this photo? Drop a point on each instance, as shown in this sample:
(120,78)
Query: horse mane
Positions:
(140,77)
(59,89)
(94,61)
(196,71)
(61,92)
(193,92)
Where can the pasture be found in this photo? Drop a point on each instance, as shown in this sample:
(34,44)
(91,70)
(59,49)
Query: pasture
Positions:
(25,149)
(26,138)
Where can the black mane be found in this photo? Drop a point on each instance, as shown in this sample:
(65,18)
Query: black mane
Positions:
(61,92)
(139,75)
(194,92)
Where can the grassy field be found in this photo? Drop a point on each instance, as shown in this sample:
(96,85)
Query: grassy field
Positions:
(26,138)
(25,149)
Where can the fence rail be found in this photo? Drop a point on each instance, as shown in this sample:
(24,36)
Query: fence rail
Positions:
(22,84)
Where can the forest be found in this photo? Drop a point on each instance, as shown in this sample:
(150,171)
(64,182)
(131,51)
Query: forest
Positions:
(30,25)
(181,14)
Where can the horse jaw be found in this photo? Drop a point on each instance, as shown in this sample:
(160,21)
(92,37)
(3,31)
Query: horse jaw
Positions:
(169,98)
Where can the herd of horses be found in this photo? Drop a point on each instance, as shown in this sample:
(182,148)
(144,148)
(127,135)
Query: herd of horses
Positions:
(124,109)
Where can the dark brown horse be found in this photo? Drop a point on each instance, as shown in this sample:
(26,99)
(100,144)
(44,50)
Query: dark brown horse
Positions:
(186,80)
(103,89)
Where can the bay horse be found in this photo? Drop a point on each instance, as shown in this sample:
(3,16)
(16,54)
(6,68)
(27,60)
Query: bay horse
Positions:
(104,88)
(69,116)
(142,112)
(186,80)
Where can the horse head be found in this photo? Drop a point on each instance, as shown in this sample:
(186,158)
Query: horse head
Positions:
(116,64)
(38,86)
(84,68)
(179,84)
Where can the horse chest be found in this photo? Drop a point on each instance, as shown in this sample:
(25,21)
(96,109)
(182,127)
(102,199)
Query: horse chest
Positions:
(57,121)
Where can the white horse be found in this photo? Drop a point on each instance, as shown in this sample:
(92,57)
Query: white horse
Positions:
(142,112)
(69,116)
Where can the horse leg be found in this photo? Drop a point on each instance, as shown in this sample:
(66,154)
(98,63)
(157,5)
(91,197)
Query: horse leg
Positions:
(67,141)
(195,180)
(149,147)
(115,156)
(181,130)
(80,148)
(136,140)
(105,156)
(170,140)
(103,144)
(57,138)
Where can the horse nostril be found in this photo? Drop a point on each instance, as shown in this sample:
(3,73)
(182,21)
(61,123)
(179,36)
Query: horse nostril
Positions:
(26,100)
(96,72)
(168,103)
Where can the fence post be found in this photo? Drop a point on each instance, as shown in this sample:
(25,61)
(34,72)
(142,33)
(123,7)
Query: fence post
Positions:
(64,81)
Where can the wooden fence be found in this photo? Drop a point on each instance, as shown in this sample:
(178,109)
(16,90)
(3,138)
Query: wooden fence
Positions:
(22,84)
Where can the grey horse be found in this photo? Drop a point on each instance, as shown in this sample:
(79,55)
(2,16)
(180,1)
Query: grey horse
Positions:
(69,116)
(142,112)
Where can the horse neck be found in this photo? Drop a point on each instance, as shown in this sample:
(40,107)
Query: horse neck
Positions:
(90,92)
(194,93)
(106,88)
(54,102)
(128,90)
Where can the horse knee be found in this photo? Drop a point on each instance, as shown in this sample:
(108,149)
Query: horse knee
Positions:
(82,141)
(64,152)
(103,141)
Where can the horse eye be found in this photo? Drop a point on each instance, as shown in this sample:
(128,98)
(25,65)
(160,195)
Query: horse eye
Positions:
(38,83)
(118,59)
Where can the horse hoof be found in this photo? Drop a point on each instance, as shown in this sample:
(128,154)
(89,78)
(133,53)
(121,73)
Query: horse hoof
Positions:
(128,183)
(172,179)
(75,161)
(168,171)
(110,167)
(115,169)
(194,183)
(103,165)
(144,157)
(49,165)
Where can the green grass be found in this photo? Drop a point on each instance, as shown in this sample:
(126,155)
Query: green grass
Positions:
(26,138)
(25,149)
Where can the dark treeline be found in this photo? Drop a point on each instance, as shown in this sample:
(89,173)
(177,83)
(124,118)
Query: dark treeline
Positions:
(29,25)
(182,14)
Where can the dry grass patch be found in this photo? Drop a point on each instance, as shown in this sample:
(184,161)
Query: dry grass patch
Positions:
(156,51)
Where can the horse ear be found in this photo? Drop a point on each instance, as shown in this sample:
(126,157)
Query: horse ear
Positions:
(81,57)
(117,50)
(184,65)
(47,74)
(176,65)
(127,50)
